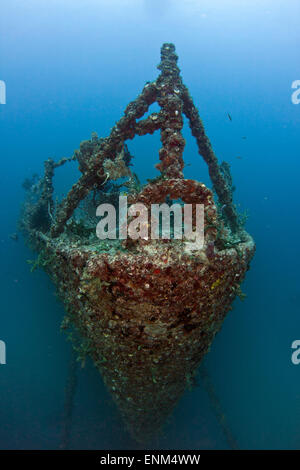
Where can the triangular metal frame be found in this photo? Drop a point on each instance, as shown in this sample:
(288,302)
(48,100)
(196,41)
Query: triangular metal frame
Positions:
(174,99)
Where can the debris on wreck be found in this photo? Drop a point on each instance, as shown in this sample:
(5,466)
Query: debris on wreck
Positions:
(145,311)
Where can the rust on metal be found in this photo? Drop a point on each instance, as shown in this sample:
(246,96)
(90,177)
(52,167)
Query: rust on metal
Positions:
(145,311)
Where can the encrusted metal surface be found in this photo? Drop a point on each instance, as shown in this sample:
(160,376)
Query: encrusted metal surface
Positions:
(146,311)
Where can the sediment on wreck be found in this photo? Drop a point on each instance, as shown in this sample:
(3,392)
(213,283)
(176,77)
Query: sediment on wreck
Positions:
(146,311)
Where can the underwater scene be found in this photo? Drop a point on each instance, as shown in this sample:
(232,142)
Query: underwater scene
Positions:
(149,224)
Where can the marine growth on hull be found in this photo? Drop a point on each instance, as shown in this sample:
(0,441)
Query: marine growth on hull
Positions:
(145,310)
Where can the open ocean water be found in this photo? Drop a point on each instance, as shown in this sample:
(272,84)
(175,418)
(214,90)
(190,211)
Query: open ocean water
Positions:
(70,68)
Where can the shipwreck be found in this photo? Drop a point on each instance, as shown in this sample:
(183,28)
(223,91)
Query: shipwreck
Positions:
(145,311)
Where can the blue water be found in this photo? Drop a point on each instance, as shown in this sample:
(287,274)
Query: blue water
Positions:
(70,68)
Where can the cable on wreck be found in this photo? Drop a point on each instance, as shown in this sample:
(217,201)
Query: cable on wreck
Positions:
(70,392)
(217,407)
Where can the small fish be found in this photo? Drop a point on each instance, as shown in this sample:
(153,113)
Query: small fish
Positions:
(229,117)
(244,137)
(239,158)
